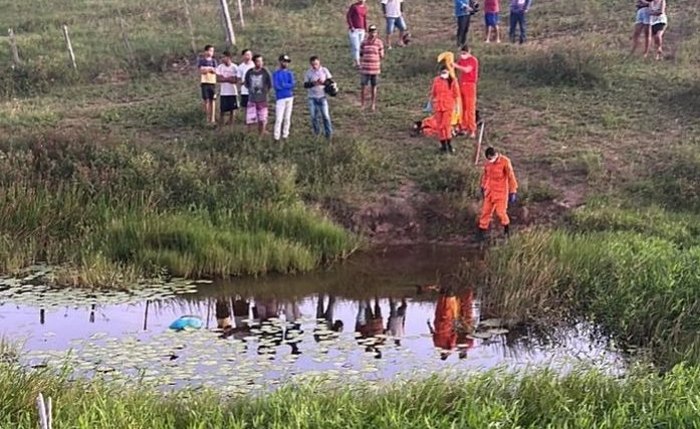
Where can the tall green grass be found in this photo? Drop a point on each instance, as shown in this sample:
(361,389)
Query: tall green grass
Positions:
(641,290)
(585,399)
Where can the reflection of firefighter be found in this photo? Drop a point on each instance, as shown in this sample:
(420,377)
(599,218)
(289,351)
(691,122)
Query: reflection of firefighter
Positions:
(453,323)
(498,188)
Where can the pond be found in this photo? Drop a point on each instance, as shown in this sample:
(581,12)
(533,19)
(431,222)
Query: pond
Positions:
(373,317)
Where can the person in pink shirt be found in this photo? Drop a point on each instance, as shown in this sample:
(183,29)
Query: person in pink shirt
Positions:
(491,9)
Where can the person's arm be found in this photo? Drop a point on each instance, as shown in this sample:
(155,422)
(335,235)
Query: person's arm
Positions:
(512,182)
(528,3)
(483,182)
(384,8)
(268,79)
(348,15)
(202,68)
(662,11)
(292,81)
(327,73)
(381,50)
(430,328)
(401,7)
(246,79)
(465,69)
(308,83)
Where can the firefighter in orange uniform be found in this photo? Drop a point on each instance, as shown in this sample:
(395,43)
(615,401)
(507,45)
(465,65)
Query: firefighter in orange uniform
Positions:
(444,95)
(498,188)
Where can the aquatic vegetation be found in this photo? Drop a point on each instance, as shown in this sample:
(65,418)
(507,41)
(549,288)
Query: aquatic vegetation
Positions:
(642,290)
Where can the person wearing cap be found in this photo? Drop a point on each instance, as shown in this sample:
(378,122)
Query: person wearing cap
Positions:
(371,55)
(498,188)
(356,18)
(259,82)
(468,66)
(315,81)
(283,81)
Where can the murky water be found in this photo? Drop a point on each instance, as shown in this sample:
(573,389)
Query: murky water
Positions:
(370,318)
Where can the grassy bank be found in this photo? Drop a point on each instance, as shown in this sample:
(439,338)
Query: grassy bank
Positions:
(121,147)
(582,399)
(639,283)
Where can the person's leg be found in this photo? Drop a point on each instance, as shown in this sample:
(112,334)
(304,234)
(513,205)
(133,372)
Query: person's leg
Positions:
(374,81)
(501,208)
(251,115)
(470,108)
(462,27)
(522,19)
(364,80)
(354,47)
(486,213)
(401,25)
(279,117)
(638,29)
(646,33)
(313,114)
(659,41)
(390,23)
(262,117)
(496,29)
(326,114)
(513,23)
(289,105)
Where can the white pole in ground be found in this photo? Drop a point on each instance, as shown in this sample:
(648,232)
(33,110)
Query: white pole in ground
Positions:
(69,46)
(189,24)
(240,12)
(478,146)
(230,35)
(13,48)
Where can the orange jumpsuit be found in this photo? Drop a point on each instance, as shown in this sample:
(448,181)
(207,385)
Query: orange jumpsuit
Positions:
(467,87)
(444,95)
(446,313)
(498,180)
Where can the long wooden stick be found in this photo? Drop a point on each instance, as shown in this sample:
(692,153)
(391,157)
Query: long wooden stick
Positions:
(13,48)
(69,46)
(41,406)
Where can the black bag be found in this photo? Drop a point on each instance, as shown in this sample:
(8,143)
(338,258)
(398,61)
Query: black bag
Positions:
(330,87)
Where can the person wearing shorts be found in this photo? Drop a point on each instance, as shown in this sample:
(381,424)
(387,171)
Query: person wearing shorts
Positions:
(641,27)
(491,18)
(371,55)
(658,21)
(227,76)
(245,65)
(393,13)
(258,80)
(207,81)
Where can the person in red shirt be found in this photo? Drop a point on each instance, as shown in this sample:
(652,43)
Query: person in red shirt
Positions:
(357,26)
(468,67)
(491,9)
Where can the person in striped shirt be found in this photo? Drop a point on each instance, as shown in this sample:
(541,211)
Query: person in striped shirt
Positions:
(371,55)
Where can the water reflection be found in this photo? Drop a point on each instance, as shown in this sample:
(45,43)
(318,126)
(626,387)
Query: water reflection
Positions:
(275,328)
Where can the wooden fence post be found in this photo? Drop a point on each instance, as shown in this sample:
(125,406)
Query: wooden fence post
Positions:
(191,27)
(69,46)
(240,12)
(230,35)
(13,48)
(125,37)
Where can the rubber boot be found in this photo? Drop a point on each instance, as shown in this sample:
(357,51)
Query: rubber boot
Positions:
(443,146)
(449,147)
(480,235)
(506,231)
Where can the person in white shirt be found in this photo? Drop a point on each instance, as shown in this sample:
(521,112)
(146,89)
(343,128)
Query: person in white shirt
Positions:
(227,76)
(245,65)
(393,13)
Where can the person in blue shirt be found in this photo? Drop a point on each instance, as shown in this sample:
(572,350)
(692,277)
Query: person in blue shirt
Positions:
(464,9)
(283,82)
